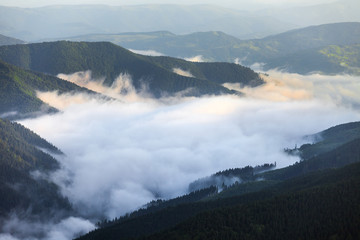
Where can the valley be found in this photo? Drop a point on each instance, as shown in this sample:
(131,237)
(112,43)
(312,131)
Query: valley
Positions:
(230,124)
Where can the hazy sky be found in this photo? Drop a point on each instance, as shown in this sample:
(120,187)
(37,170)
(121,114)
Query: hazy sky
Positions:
(233,3)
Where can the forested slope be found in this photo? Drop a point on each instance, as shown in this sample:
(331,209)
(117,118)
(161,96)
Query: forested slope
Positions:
(108,60)
(18,91)
(20,161)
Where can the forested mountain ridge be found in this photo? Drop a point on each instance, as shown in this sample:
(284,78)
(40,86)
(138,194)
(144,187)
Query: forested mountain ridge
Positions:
(29,24)
(327,140)
(331,59)
(328,48)
(18,91)
(20,161)
(108,60)
(326,208)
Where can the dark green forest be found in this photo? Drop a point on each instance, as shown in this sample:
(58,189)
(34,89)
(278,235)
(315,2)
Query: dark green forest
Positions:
(329,210)
(18,91)
(20,191)
(108,60)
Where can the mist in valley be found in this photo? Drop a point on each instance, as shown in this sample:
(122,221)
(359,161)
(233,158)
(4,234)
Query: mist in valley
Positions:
(124,148)
(125,151)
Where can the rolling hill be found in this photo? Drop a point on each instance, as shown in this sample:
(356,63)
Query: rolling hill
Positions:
(332,59)
(108,60)
(329,48)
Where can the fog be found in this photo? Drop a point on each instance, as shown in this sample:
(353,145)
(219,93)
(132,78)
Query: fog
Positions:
(124,152)
(66,229)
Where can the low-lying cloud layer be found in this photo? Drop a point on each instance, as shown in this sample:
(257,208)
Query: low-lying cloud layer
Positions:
(341,90)
(121,153)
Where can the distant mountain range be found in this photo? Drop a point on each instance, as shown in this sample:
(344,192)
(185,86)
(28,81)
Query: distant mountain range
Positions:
(63,21)
(329,48)
(107,60)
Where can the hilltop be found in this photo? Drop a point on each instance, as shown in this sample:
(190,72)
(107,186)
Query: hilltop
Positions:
(106,60)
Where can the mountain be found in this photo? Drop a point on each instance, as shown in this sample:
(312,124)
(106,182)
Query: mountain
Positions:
(64,21)
(328,140)
(329,48)
(309,185)
(18,91)
(4,40)
(161,75)
(24,168)
(324,207)
(332,59)
(302,39)
(212,46)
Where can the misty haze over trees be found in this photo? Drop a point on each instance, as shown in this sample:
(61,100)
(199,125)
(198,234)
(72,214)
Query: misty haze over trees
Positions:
(199,120)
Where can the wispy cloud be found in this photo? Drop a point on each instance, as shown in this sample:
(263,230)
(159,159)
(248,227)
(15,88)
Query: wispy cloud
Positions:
(147,52)
(198,58)
(182,72)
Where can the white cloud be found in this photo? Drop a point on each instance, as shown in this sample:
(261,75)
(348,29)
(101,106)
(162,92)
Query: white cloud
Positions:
(147,52)
(121,154)
(197,58)
(16,228)
(182,72)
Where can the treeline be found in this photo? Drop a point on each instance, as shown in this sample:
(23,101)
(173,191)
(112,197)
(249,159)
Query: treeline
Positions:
(339,157)
(327,140)
(226,178)
(328,211)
